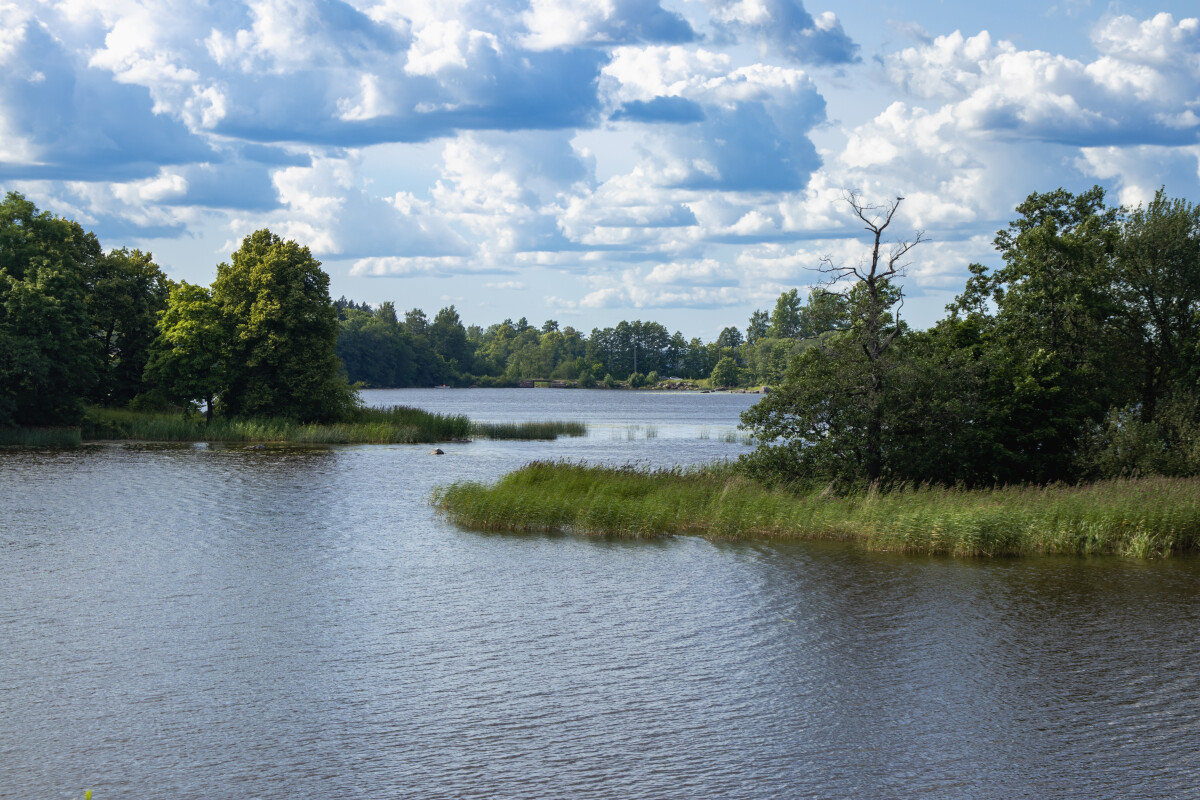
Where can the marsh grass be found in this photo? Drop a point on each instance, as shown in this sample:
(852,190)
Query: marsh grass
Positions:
(1144,517)
(40,437)
(392,425)
(396,425)
(550,429)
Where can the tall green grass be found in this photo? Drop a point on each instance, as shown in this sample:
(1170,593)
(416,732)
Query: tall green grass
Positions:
(397,425)
(393,425)
(1134,517)
(40,437)
(551,429)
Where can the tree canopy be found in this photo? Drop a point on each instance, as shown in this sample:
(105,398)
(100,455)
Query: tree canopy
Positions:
(1074,359)
(49,359)
(281,330)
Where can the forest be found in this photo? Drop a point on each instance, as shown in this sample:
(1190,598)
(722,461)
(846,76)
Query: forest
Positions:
(378,348)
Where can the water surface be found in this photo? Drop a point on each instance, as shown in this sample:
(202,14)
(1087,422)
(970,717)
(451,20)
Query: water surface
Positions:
(199,622)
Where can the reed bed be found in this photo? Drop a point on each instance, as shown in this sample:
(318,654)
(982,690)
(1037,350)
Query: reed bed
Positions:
(40,437)
(398,425)
(392,425)
(550,429)
(1144,517)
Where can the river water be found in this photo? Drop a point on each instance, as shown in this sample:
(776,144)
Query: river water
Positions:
(209,622)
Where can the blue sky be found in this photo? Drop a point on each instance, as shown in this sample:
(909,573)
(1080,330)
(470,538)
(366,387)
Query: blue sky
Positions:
(678,160)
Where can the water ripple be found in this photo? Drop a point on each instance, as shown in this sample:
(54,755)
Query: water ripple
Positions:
(201,622)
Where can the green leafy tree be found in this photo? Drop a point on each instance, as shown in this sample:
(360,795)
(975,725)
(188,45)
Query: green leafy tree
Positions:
(812,426)
(1060,360)
(48,358)
(449,339)
(767,359)
(189,359)
(873,325)
(830,412)
(824,312)
(282,331)
(730,338)
(1157,288)
(760,322)
(786,319)
(415,322)
(126,293)
(725,373)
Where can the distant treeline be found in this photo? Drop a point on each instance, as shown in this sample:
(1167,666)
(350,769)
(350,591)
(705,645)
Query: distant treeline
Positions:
(379,348)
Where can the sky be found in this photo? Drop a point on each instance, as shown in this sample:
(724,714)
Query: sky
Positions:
(683,161)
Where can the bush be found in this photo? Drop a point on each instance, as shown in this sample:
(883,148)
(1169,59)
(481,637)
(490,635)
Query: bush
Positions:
(652,379)
(636,380)
(725,373)
(1124,445)
(153,401)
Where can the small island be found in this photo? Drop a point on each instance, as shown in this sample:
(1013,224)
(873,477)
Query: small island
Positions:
(1055,409)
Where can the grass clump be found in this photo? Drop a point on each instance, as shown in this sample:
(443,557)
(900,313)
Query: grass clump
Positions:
(551,429)
(396,425)
(40,437)
(1144,517)
(392,425)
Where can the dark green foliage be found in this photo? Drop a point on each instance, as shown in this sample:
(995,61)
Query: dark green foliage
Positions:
(126,293)
(786,318)
(190,359)
(49,359)
(1157,298)
(1075,359)
(725,373)
(40,437)
(449,339)
(282,333)
(760,322)
(377,350)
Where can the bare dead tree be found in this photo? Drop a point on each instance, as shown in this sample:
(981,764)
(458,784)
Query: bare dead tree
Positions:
(876,294)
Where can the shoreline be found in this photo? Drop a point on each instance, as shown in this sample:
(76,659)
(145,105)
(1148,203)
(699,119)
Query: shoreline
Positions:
(394,425)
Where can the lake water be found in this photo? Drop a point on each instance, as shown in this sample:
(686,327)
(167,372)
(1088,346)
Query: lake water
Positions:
(210,622)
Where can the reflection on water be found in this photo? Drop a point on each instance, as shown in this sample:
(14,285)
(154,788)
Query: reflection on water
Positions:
(197,622)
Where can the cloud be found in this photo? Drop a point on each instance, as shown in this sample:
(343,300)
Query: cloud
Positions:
(660,109)
(784,27)
(750,123)
(1139,172)
(326,206)
(1143,88)
(667,158)
(506,189)
(70,121)
(556,24)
